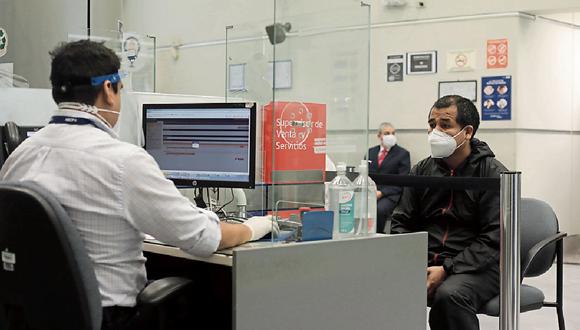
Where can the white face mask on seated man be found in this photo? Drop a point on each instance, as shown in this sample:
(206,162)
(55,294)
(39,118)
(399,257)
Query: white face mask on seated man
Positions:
(389,141)
(442,144)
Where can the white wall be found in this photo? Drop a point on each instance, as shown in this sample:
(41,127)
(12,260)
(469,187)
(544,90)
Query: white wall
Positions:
(35,27)
(26,106)
(547,115)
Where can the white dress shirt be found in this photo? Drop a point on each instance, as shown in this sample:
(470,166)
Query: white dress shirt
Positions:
(114,192)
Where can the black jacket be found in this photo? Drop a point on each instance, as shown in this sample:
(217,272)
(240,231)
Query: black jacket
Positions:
(463,225)
(397,161)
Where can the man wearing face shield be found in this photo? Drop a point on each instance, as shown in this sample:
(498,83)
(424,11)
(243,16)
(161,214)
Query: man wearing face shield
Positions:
(113,191)
(463,226)
(387,158)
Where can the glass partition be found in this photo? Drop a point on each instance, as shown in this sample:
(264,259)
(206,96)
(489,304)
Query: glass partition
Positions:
(308,69)
(318,116)
(136,51)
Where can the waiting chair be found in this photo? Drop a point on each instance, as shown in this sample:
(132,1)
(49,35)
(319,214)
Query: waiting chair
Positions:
(47,279)
(541,243)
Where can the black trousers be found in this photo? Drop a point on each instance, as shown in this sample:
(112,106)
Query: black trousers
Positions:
(385,208)
(116,317)
(456,302)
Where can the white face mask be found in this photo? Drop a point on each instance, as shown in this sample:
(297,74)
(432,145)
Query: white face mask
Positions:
(389,141)
(87,108)
(442,144)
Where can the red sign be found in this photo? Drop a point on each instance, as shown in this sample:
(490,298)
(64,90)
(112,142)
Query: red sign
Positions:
(294,142)
(497,54)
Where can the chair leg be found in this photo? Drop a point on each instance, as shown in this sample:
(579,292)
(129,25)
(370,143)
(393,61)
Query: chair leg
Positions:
(162,318)
(561,323)
(560,284)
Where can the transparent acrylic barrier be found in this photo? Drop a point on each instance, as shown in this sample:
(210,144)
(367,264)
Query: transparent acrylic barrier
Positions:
(137,52)
(319,113)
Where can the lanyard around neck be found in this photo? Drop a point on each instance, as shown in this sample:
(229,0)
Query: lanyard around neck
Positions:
(73,121)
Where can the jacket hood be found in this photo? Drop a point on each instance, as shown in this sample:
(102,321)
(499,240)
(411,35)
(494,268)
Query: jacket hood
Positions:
(479,150)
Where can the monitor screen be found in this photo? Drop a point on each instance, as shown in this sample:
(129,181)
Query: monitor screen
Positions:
(203,144)
(28,131)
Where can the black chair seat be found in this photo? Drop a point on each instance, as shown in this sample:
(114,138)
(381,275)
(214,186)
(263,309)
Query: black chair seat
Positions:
(531,298)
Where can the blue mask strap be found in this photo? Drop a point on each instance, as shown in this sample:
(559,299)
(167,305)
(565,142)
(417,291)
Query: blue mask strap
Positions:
(99,80)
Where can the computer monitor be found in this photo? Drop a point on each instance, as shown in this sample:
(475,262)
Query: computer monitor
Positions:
(28,131)
(203,144)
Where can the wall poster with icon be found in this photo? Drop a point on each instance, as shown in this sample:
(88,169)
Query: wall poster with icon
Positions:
(422,62)
(497,54)
(395,65)
(3,42)
(496,98)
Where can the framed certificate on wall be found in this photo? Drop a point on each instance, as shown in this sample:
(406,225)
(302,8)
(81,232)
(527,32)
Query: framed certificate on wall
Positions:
(465,88)
(422,62)
(283,74)
(237,79)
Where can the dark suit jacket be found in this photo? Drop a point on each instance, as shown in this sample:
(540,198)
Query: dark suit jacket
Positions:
(397,161)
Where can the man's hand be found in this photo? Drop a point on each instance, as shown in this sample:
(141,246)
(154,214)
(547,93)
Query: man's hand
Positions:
(379,194)
(259,226)
(435,276)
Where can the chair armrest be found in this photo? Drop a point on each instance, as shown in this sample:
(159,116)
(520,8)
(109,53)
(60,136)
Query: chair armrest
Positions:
(533,252)
(161,290)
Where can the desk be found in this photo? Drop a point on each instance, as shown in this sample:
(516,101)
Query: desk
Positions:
(375,282)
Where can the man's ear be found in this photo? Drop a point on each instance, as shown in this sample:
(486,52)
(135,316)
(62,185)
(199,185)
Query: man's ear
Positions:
(469,132)
(108,92)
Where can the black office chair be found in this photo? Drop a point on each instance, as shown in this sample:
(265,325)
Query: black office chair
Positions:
(541,243)
(47,279)
(11,138)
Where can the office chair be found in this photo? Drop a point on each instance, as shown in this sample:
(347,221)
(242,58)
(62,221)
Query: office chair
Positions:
(541,243)
(2,151)
(11,138)
(47,279)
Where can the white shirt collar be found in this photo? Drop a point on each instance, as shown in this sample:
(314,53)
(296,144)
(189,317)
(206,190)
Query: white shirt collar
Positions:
(66,110)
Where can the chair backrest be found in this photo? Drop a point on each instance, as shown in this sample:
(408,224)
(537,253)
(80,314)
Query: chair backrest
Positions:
(46,277)
(2,149)
(11,136)
(538,221)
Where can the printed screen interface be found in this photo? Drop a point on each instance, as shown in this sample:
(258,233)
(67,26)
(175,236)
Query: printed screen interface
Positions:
(205,144)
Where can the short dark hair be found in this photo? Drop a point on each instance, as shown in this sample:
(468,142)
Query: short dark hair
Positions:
(73,66)
(466,111)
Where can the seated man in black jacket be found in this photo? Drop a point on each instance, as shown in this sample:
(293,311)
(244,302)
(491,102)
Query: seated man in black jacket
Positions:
(463,225)
(387,158)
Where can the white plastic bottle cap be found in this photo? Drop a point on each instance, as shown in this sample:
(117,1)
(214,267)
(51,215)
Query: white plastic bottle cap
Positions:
(363,165)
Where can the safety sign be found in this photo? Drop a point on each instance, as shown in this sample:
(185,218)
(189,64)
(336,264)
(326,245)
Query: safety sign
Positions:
(497,54)
(3,42)
(496,100)
(395,67)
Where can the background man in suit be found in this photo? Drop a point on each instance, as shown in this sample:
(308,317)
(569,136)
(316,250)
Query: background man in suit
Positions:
(387,158)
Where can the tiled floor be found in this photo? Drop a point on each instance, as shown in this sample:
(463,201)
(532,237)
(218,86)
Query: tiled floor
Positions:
(546,318)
